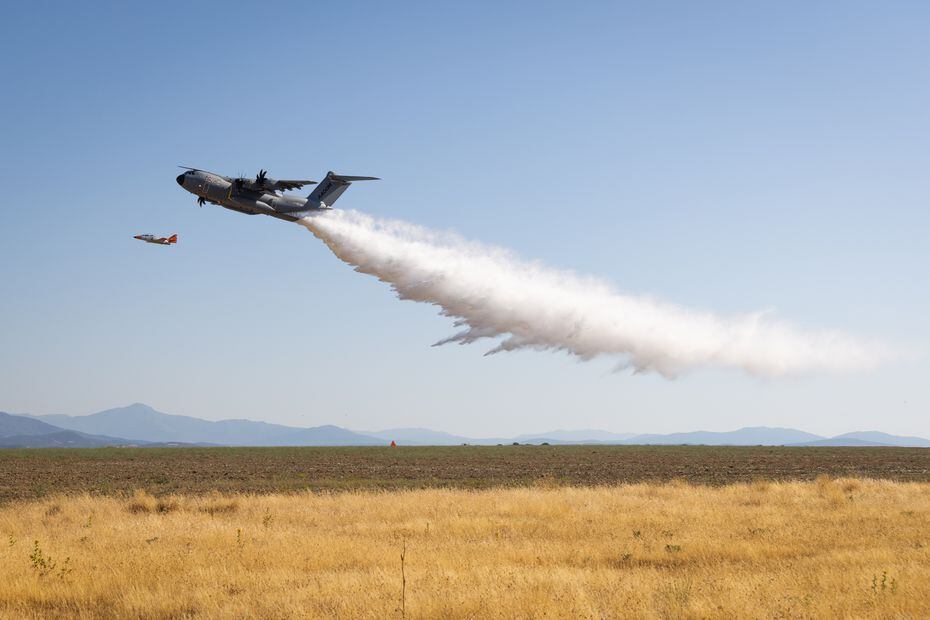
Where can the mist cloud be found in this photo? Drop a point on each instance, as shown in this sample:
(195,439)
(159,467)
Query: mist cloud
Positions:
(492,293)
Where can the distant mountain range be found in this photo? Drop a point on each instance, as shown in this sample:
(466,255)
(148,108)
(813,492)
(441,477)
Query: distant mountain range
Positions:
(140,425)
(750,436)
(141,422)
(21,431)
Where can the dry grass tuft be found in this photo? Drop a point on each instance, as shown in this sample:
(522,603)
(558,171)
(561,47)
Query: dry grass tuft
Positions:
(824,483)
(645,550)
(141,503)
(218,504)
(850,485)
(548,481)
(52,510)
(166,505)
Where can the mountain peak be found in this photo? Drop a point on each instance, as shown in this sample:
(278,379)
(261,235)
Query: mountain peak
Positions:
(136,407)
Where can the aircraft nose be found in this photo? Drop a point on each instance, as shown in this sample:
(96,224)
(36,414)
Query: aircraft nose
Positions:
(180,180)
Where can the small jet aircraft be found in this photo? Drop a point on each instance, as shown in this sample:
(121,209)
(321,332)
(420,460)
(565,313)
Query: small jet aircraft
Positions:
(157,240)
(261,194)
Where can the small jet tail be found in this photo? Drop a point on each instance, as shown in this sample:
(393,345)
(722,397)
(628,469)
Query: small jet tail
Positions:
(173,238)
(331,188)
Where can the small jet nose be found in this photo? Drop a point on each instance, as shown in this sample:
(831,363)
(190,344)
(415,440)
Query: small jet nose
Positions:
(180,180)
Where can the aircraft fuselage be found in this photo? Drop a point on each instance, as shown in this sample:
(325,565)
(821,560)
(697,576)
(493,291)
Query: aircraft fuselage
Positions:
(157,240)
(222,191)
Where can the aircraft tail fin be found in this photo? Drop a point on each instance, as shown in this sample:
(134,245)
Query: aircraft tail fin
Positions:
(173,238)
(331,188)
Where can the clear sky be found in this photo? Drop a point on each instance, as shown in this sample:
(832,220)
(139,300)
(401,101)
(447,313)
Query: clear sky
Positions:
(727,156)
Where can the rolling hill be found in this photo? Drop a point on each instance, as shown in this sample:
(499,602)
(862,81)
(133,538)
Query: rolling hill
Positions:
(749,436)
(885,439)
(24,432)
(17,425)
(141,422)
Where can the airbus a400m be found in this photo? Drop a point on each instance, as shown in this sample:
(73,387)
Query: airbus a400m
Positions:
(264,195)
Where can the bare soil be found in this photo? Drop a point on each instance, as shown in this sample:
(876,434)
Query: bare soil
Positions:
(26,474)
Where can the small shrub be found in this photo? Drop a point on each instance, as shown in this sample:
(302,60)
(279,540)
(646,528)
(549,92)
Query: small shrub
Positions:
(45,565)
(880,586)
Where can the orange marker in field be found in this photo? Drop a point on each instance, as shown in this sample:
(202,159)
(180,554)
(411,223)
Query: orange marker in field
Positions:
(393,444)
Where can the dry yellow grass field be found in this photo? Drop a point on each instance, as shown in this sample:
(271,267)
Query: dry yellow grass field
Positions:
(831,548)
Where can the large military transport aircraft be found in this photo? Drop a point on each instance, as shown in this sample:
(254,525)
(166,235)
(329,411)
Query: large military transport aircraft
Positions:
(261,194)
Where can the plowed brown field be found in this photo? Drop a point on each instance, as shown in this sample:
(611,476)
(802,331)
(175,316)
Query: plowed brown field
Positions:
(26,474)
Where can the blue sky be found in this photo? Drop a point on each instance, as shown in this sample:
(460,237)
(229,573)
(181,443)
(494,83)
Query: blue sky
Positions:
(717,155)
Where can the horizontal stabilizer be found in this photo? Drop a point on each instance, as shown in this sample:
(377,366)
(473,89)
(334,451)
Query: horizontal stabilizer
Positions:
(331,188)
(342,177)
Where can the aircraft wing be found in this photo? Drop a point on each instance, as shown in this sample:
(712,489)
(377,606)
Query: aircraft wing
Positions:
(289,184)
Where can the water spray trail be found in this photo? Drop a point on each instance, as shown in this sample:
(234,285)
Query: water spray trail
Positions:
(491,293)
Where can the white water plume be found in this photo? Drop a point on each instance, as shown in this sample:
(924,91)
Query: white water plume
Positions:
(490,292)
